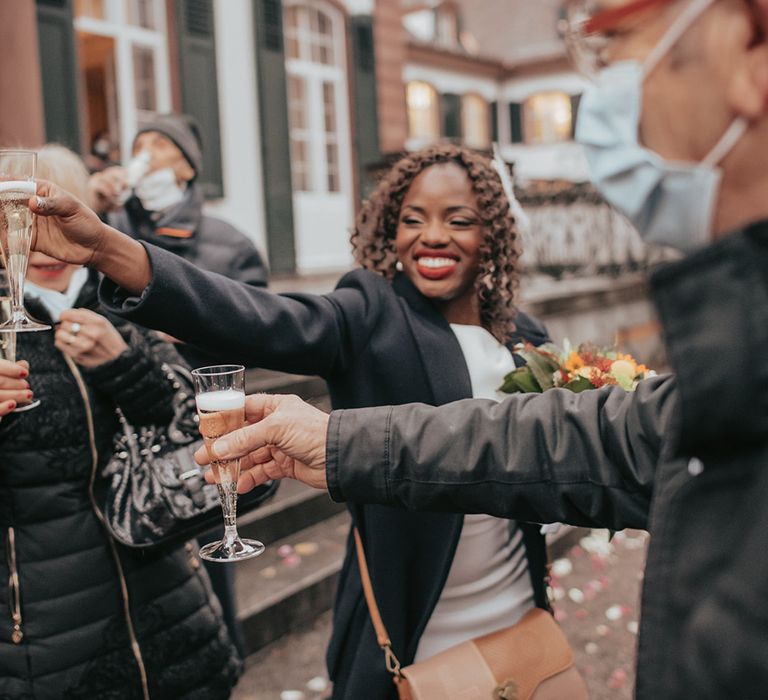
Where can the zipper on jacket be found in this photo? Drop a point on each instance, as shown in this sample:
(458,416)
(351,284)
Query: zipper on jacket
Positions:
(100,515)
(14,599)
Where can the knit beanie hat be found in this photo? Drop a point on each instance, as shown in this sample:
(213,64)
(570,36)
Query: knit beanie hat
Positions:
(184,131)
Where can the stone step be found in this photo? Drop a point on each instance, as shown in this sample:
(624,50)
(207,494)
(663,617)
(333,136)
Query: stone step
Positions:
(292,582)
(294,507)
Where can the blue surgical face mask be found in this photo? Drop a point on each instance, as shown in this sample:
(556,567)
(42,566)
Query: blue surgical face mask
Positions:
(670,203)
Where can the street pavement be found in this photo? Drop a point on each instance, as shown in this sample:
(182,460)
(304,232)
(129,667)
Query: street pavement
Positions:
(596,591)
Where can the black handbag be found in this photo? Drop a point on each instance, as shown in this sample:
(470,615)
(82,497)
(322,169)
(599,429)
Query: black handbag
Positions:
(155,492)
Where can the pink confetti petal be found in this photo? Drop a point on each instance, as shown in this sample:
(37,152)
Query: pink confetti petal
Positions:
(580,614)
(602,630)
(560,614)
(284,550)
(618,679)
(292,561)
(577,551)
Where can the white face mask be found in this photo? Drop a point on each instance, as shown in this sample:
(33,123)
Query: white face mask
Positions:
(159,190)
(670,203)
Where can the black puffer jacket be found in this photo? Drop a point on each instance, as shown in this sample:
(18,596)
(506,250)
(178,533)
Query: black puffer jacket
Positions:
(75,586)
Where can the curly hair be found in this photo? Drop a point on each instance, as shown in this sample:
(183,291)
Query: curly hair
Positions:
(373,238)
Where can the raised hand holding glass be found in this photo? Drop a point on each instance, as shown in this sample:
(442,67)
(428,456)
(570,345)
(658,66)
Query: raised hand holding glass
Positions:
(220,396)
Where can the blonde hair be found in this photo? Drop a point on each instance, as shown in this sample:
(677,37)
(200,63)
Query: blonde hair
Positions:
(65,169)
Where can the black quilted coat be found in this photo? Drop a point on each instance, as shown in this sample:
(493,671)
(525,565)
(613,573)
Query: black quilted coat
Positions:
(80,616)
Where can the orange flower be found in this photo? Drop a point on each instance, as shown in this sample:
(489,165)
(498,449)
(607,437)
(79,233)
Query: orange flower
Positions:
(574,362)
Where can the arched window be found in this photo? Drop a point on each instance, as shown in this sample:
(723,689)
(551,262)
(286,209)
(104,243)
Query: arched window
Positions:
(314,63)
(548,118)
(423,111)
(475,121)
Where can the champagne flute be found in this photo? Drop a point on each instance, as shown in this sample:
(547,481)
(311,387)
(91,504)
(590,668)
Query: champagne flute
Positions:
(220,398)
(17,185)
(8,348)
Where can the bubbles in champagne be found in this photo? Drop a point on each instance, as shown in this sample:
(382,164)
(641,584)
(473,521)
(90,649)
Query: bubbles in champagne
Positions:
(15,228)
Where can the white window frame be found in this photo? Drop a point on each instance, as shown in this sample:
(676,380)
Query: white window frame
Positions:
(126,36)
(314,75)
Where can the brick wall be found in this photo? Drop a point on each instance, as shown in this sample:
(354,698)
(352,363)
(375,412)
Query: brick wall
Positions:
(390,58)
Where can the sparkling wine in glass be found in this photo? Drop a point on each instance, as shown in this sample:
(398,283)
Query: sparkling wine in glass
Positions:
(220,397)
(8,347)
(17,185)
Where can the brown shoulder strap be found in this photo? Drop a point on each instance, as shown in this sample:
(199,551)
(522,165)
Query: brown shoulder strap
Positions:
(382,636)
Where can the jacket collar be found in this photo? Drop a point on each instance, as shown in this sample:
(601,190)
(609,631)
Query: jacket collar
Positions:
(437,345)
(173,230)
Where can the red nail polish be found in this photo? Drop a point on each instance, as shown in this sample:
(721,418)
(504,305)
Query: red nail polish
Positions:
(29,394)
(24,374)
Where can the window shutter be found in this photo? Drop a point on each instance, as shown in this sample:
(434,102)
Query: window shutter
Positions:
(58,66)
(274,134)
(515,122)
(575,101)
(364,98)
(494,122)
(451,113)
(199,87)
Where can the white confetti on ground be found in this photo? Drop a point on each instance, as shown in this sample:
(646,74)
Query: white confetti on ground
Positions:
(614,613)
(292,695)
(591,648)
(562,567)
(597,543)
(318,684)
(632,626)
(576,595)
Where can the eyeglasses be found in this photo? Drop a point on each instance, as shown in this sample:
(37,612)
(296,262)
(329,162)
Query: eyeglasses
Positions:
(588,27)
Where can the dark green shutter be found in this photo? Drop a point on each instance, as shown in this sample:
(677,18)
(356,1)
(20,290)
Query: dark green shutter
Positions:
(58,66)
(199,87)
(364,99)
(275,137)
(450,107)
(494,122)
(515,122)
(575,100)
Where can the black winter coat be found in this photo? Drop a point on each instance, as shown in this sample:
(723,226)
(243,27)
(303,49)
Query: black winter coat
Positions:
(376,343)
(81,597)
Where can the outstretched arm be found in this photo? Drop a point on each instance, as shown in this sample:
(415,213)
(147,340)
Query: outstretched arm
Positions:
(307,334)
(585,459)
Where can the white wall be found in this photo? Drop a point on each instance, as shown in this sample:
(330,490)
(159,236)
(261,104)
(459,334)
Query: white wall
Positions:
(243,201)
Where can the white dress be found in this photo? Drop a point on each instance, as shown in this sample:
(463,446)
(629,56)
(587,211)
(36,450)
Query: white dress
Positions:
(488,585)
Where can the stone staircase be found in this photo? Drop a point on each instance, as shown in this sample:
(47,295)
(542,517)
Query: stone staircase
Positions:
(305,533)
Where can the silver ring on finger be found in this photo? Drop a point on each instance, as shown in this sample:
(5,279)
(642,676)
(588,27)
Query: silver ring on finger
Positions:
(75,329)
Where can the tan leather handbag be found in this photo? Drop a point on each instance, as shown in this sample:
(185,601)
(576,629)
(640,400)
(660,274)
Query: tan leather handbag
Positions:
(528,661)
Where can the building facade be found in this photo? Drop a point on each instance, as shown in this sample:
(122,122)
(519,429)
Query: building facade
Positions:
(298,99)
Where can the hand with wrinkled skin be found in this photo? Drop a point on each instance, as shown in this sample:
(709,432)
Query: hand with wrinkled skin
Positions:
(14,389)
(285,437)
(97,341)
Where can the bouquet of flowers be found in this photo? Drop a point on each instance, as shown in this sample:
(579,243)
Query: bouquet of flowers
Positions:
(579,369)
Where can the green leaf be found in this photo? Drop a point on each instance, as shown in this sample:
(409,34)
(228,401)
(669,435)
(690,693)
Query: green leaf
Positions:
(520,380)
(578,385)
(543,361)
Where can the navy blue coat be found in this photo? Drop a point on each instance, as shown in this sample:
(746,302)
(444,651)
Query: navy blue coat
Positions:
(376,343)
